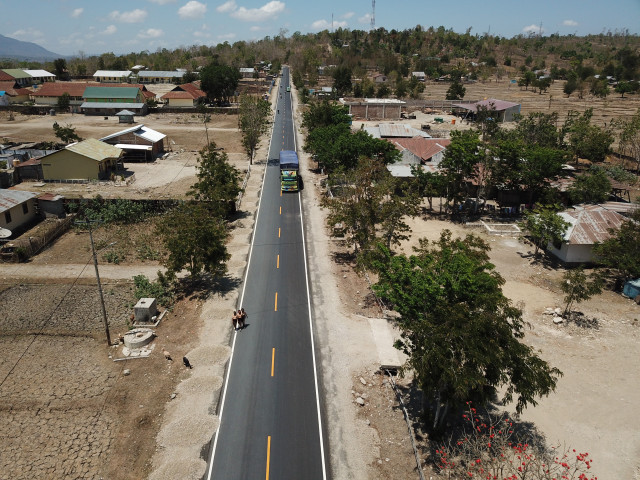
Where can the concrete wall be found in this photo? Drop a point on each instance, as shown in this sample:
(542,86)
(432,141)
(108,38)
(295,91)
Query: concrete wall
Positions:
(375,111)
(67,165)
(181,102)
(18,216)
(573,253)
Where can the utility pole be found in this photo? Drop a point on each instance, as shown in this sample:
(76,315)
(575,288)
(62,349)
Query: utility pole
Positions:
(95,264)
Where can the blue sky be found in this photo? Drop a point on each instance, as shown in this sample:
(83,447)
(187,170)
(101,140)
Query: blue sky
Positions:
(68,27)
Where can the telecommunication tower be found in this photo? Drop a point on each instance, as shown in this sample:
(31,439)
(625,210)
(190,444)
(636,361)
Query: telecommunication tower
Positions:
(373,14)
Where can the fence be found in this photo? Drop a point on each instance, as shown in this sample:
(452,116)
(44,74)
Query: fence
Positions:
(28,245)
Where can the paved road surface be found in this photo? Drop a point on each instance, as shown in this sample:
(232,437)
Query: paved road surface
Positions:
(270,416)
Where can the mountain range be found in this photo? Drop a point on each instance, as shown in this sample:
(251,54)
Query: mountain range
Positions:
(19,50)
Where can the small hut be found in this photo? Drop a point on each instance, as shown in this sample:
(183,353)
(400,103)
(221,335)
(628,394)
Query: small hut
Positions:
(125,116)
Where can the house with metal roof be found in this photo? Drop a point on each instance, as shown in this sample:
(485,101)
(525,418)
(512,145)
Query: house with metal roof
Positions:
(112,76)
(588,225)
(48,93)
(375,108)
(138,143)
(17,209)
(247,72)
(40,76)
(153,76)
(505,111)
(111,100)
(20,76)
(87,160)
(395,130)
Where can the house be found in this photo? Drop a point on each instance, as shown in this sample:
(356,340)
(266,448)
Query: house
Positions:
(505,111)
(589,224)
(13,93)
(125,116)
(247,72)
(30,169)
(185,95)
(138,142)
(420,150)
(151,76)
(5,77)
(17,209)
(20,76)
(40,76)
(111,100)
(4,98)
(88,160)
(112,76)
(379,78)
(375,108)
(49,93)
(395,130)
(421,76)
(51,205)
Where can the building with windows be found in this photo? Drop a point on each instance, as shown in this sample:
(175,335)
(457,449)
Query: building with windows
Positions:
(112,76)
(17,208)
(87,160)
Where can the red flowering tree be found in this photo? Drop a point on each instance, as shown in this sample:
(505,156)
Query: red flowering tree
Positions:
(490,451)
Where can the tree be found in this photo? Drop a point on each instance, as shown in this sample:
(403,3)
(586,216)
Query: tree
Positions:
(383,91)
(189,77)
(60,68)
(219,82)
(369,209)
(66,134)
(630,138)
(621,252)
(459,331)
(253,120)
(218,182)
(544,226)
(427,184)
(599,87)
(342,80)
(324,114)
(195,238)
(593,186)
(623,87)
(64,101)
(542,84)
(540,129)
(577,287)
(586,140)
(456,91)
(459,164)
(527,79)
(570,86)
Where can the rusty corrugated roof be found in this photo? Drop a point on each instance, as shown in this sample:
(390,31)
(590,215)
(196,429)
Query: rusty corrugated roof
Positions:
(590,224)
(11,198)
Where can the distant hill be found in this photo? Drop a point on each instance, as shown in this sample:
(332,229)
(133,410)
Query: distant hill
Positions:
(19,50)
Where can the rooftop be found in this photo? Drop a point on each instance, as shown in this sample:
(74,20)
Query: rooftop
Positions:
(111,92)
(11,198)
(491,103)
(424,148)
(590,224)
(112,73)
(140,131)
(160,73)
(94,149)
(39,73)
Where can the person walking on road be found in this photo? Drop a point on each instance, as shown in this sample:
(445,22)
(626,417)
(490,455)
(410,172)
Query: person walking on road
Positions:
(234,319)
(242,317)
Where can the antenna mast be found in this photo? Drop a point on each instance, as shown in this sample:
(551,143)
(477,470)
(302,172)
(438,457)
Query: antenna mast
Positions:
(373,14)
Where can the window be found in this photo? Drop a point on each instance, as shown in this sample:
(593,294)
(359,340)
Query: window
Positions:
(25,208)
(7,217)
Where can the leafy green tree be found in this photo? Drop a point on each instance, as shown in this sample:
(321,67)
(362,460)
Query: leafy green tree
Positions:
(621,252)
(195,238)
(189,77)
(527,79)
(570,86)
(586,140)
(401,88)
(459,331)
(543,226)
(542,84)
(540,129)
(64,101)
(383,91)
(369,209)
(218,182)
(219,82)
(66,134)
(578,287)
(324,114)
(630,138)
(253,119)
(342,80)
(593,186)
(599,87)
(427,184)
(623,87)
(460,162)
(455,91)
(60,68)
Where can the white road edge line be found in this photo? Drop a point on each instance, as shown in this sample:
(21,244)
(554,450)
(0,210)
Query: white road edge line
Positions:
(313,348)
(226,382)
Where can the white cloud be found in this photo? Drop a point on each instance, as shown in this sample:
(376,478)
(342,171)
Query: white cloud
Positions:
(366,18)
(227,7)
(570,23)
(255,28)
(266,12)
(162,2)
(201,34)
(29,34)
(134,16)
(192,10)
(347,15)
(151,33)
(226,36)
(532,29)
(319,25)
(77,12)
(110,30)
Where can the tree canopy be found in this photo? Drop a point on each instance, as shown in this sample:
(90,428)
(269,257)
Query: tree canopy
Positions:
(254,120)
(219,82)
(66,134)
(592,186)
(621,252)
(544,226)
(459,331)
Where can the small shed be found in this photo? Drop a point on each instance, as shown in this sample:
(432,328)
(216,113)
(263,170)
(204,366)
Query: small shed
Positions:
(125,116)
(51,205)
(145,310)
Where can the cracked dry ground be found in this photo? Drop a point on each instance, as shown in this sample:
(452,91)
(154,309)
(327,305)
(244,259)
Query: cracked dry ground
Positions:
(67,410)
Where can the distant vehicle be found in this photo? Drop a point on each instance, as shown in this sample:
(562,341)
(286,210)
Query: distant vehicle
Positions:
(288,88)
(289,166)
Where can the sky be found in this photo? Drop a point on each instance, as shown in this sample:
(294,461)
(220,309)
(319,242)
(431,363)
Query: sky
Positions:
(69,27)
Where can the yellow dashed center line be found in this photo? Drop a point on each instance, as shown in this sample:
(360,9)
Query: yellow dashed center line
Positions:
(276,304)
(273,359)
(268,455)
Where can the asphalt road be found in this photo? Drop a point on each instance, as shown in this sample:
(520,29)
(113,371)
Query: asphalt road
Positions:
(270,421)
